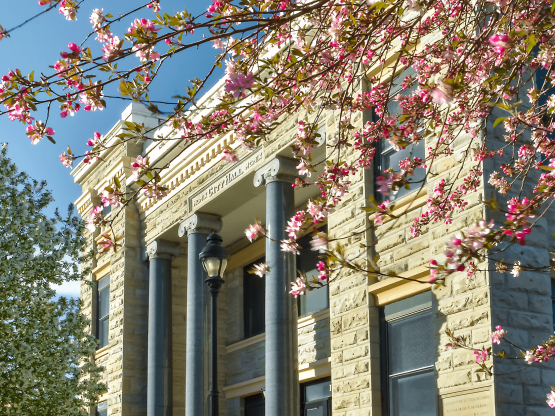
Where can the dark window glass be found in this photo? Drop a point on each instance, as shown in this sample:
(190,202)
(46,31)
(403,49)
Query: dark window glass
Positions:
(106,210)
(316,397)
(254,405)
(253,301)
(387,157)
(102,409)
(409,382)
(317,299)
(103,310)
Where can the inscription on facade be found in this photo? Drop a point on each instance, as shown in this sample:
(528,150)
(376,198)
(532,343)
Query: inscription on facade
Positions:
(474,403)
(224,180)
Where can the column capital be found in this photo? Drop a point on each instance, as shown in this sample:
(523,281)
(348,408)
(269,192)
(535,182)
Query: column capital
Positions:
(278,169)
(161,249)
(200,222)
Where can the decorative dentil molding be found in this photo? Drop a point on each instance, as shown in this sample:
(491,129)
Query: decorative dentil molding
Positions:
(200,222)
(161,249)
(278,169)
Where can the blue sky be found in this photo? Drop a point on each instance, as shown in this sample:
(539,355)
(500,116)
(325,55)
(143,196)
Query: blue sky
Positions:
(37,45)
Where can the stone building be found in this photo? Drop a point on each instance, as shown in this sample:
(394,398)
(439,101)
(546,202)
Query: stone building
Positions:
(363,346)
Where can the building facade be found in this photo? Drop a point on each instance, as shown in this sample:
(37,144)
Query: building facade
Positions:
(364,346)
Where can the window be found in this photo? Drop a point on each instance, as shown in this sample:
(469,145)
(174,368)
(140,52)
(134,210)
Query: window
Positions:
(102,408)
(106,210)
(316,397)
(317,299)
(254,405)
(103,311)
(253,301)
(387,157)
(408,376)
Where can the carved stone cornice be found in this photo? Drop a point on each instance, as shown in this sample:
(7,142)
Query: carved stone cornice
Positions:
(278,169)
(161,249)
(200,222)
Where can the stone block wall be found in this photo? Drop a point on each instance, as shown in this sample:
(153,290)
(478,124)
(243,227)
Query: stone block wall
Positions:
(354,356)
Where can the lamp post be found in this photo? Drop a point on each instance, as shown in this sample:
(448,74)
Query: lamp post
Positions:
(214,260)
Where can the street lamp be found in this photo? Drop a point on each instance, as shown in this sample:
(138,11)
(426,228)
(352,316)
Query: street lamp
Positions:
(214,260)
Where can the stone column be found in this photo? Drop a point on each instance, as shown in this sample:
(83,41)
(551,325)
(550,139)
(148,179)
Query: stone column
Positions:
(282,368)
(159,384)
(197,227)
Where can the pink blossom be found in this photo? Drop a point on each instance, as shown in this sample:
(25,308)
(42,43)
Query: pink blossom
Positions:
(551,399)
(500,43)
(442,94)
(481,356)
(290,246)
(298,288)
(254,231)
(319,242)
(260,269)
(37,132)
(111,197)
(94,141)
(106,243)
(138,167)
(237,83)
(112,48)
(155,191)
(497,335)
(67,160)
(230,156)
(145,52)
(154,5)
(68,9)
(95,216)
(90,157)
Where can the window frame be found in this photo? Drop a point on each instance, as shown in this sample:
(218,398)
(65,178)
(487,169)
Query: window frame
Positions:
(301,298)
(379,165)
(104,411)
(102,285)
(385,371)
(246,298)
(248,406)
(326,401)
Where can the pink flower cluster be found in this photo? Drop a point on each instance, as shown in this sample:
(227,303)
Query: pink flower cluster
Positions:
(230,156)
(319,242)
(497,334)
(541,353)
(298,287)
(155,191)
(139,167)
(95,217)
(500,43)
(260,269)
(95,140)
(37,132)
(481,356)
(237,83)
(254,231)
(462,247)
(551,399)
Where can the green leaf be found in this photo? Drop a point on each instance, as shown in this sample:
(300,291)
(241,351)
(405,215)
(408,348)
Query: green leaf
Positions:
(499,120)
(117,182)
(531,43)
